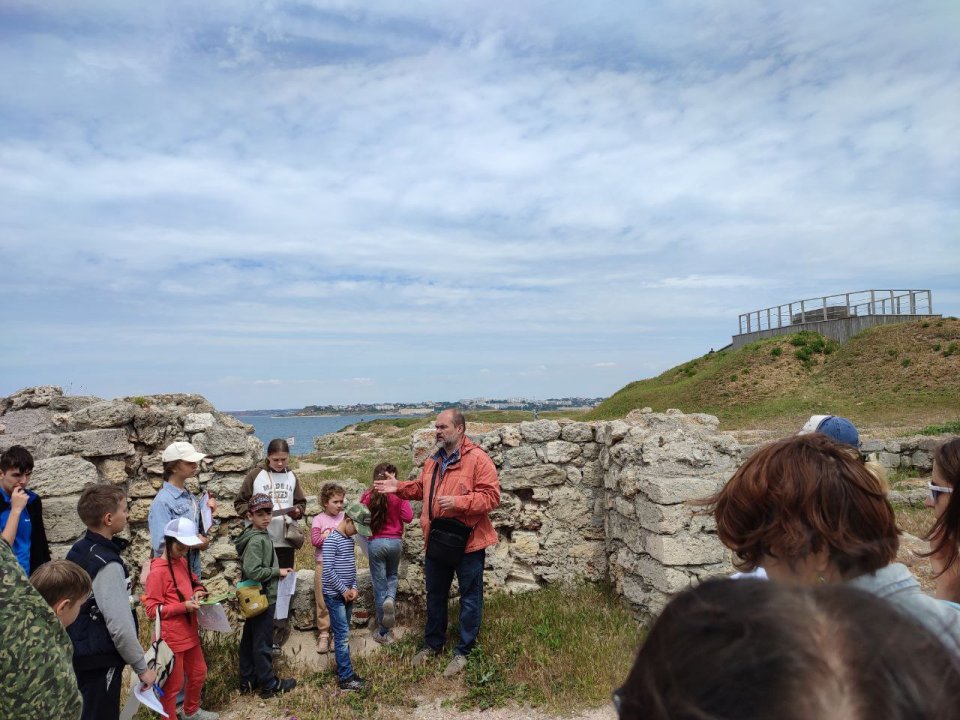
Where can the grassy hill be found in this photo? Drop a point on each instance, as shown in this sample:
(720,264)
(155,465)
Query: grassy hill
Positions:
(905,375)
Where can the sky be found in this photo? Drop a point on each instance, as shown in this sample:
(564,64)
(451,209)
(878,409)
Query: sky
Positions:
(277,204)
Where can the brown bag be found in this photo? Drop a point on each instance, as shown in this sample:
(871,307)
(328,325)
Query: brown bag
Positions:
(293,533)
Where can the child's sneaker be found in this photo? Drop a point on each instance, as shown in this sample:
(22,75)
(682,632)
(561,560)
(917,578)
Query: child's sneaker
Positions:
(389,613)
(279,687)
(354,684)
(202,714)
(384,639)
(456,666)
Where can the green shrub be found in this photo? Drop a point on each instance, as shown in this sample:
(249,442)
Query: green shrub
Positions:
(905,362)
(733,378)
(947,428)
(777,351)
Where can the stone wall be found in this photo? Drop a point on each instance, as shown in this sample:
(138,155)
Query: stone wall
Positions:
(76,441)
(903,453)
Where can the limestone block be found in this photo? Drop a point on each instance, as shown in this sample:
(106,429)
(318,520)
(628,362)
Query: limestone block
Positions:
(89,443)
(671,490)
(626,530)
(35,397)
(66,475)
(139,510)
(510,435)
(524,545)
(303,612)
(221,440)
(685,549)
(627,453)
(663,578)
(113,470)
(871,446)
(590,451)
(520,578)
(591,474)
(663,519)
(624,507)
(58,551)
(61,520)
(577,432)
(613,432)
(225,486)
(889,459)
(153,463)
(505,516)
(893,446)
(142,489)
(533,476)
(488,441)
(542,494)
(561,451)
(522,456)
(574,475)
(921,459)
(198,422)
(629,480)
(104,414)
(540,430)
(232,463)
(224,549)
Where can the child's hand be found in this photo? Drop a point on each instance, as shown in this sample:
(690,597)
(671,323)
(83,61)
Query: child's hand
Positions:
(350,595)
(284,572)
(18,498)
(326,533)
(200,594)
(148,676)
(192,606)
(211,502)
(204,542)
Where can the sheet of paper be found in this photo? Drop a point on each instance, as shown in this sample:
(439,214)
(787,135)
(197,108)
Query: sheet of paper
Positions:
(206,516)
(284,511)
(285,590)
(213,617)
(141,694)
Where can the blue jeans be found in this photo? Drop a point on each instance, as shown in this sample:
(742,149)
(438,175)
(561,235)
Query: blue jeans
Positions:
(439,579)
(384,565)
(340,612)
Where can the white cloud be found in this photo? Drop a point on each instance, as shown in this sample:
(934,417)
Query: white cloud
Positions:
(604,364)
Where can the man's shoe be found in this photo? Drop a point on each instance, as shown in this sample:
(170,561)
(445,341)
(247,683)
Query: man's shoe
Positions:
(424,656)
(380,639)
(455,666)
(279,687)
(389,613)
(202,714)
(354,684)
(247,687)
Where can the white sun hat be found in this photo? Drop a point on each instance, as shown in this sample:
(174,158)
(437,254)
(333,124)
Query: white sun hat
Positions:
(183,531)
(181,450)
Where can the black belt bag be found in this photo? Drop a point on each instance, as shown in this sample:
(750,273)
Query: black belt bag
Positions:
(448,536)
(448,540)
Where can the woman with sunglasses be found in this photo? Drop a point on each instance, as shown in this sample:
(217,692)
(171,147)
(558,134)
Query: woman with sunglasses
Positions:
(809,513)
(944,536)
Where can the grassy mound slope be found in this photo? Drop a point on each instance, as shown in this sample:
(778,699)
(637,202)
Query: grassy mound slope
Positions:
(900,374)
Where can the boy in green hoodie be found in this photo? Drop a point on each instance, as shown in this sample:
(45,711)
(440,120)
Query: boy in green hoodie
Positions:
(260,564)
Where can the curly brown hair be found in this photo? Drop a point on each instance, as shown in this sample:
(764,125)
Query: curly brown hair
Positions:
(801,496)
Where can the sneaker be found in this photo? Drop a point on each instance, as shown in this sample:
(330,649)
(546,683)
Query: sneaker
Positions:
(279,687)
(247,687)
(424,656)
(354,684)
(455,666)
(277,650)
(323,643)
(202,714)
(389,613)
(381,639)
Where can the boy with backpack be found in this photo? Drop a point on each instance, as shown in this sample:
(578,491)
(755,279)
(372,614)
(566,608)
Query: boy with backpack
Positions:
(105,633)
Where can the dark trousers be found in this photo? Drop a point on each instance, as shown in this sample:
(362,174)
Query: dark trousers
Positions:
(100,688)
(281,628)
(256,650)
(439,578)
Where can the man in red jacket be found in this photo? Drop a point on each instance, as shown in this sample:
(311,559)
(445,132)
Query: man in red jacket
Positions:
(460,482)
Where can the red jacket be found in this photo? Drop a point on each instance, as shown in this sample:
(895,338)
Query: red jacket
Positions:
(473,481)
(177,626)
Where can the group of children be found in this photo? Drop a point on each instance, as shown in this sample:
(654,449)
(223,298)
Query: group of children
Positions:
(91,591)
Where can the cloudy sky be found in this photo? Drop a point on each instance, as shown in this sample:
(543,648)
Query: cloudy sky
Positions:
(282,203)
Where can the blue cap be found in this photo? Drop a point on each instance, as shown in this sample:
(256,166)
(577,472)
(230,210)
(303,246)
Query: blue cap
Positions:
(841,430)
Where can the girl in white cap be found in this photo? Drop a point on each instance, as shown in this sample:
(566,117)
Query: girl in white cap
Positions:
(174,500)
(173,593)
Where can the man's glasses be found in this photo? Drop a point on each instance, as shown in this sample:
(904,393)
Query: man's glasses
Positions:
(936,490)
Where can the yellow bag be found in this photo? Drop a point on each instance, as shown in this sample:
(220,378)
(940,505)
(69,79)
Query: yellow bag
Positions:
(251,598)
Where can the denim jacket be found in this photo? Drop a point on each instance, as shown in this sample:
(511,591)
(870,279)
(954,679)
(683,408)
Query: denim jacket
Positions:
(171,503)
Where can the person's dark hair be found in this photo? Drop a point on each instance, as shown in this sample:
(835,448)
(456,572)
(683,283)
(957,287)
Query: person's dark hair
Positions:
(945,533)
(458,419)
(802,495)
(278,445)
(169,541)
(377,502)
(98,500)
(329,490)
(16,457)
(169,467)
(752,649)
(58,580)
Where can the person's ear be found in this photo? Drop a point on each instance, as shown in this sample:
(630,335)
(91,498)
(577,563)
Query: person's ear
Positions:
(60,607)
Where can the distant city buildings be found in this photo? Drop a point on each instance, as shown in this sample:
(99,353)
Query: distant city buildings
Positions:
(431,407)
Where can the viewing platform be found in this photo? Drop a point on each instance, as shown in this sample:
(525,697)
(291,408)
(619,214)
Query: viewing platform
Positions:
(838,317)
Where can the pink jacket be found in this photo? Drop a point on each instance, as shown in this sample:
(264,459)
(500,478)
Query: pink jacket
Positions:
(323,524)
(399,513)
(473,481)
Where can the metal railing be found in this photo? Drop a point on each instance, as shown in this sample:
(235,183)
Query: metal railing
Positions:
(837,307)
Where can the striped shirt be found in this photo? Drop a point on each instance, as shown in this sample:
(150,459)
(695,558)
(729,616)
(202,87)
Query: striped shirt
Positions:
(339,564)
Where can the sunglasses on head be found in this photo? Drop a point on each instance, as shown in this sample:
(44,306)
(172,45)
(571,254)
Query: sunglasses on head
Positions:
(936,490)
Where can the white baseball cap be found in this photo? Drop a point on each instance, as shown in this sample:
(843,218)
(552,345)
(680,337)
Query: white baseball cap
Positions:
(181,451)
(184,531)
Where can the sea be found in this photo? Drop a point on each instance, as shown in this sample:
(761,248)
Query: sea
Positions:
(303,428)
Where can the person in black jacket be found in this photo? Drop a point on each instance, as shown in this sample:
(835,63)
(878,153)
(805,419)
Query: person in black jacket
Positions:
(21,513)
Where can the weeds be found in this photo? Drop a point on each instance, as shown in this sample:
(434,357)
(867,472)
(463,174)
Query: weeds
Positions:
(948,428)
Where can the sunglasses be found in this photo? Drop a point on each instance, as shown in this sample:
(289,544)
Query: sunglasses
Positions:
(936,490)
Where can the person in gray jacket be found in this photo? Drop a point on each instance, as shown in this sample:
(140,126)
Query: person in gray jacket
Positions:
(808,512)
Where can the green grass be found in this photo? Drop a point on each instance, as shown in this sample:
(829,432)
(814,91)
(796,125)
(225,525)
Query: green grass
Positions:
(561,649)
(948,428)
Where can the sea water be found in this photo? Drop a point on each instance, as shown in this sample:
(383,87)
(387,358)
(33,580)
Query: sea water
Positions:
(304,428)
